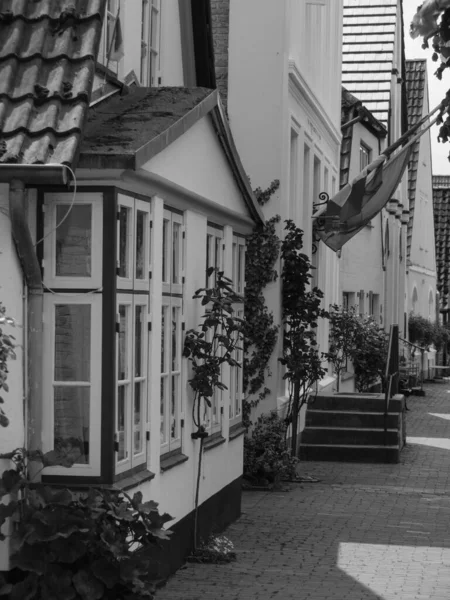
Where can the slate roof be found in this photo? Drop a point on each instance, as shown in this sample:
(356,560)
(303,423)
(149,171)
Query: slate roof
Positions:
(352,107)
(47,62)
(368,52)
(441,209)
(416,78)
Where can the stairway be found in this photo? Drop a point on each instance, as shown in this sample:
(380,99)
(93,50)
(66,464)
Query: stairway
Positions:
(350,428)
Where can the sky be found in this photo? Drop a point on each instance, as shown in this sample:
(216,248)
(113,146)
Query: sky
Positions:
(437,89)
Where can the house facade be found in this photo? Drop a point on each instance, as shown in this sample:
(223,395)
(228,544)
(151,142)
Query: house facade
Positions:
(374,71)
(421,253)
(120,186)
(283,102)
(362,257)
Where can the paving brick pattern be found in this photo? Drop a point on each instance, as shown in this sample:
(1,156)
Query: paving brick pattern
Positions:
(364,532)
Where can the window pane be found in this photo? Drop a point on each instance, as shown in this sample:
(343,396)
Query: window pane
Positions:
(241,269)
(234,266)
(140,244)
(74,240)
(174,409)
(138,340)
(163,410)
(71,414)
(72,342)
(124,241)
(217,252)
(165,256)
(122,421)
(137,420)
(175,330)
(163,339)
(123,342)
(176,242)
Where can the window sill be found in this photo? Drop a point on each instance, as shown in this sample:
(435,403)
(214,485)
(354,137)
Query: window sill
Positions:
(134,480)
(216,439)
(172,459)
(236,430)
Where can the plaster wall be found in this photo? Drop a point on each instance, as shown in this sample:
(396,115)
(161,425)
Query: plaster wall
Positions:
(425,285)
(196,162)
(11,297)
(361,265)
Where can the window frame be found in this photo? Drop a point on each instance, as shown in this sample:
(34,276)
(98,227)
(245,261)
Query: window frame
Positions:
(106,36)
(50,302)
(366,152)
(132,461)
(150,55)
(51,226)
(134,205)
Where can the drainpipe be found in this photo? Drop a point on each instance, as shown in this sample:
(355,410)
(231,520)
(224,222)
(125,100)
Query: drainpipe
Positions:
(30,266)
(17,176)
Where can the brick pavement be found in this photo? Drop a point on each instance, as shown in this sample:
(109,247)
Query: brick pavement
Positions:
(364,532)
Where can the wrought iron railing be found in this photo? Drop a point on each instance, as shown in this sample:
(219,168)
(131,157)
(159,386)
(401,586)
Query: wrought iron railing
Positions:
(391,375)
(414,369)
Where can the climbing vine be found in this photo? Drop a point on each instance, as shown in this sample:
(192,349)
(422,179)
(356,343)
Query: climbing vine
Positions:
(260,331)
(6,353)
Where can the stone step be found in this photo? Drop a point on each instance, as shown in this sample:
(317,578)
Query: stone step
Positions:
(355,402)
(350,453)
(348,436)
(358,419)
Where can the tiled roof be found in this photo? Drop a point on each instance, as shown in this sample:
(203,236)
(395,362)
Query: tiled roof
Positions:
(368,52)
(416,77)
(47,62)
(441,207)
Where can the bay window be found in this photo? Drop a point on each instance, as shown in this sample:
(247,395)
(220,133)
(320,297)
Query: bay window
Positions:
(132,332)
(236,391)
(172,326)
(150,43)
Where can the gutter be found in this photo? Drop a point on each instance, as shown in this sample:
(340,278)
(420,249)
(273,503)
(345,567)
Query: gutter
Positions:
(17,176)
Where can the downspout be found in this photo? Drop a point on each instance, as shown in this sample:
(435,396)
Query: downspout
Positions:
(17,176)
(30,266)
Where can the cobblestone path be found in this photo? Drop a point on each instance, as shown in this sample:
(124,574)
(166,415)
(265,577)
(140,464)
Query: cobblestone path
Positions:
(364,532)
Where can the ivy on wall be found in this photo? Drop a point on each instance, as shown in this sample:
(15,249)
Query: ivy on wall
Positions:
(260,331)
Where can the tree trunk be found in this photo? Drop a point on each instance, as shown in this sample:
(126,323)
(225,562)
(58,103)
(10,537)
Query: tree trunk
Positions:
(295,411)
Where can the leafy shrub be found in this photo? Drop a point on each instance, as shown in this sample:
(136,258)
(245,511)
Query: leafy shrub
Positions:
(217,549)
(421,331)
(344,326)
(267,459)
(91,547)
(6,352)
(369,353)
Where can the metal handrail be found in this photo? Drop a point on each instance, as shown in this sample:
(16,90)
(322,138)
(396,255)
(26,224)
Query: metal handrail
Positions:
(422,350)
(392,372)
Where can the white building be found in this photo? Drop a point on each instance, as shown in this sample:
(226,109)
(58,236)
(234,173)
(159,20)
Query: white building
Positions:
(100,277)
(283,92)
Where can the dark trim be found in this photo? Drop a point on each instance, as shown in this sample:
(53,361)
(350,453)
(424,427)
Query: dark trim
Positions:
(214,440)
(174,210)
(134,480)
(130,472)
(214,515)
(108,334)
(187,43)
(133,292)
(40,194)
(203,44)
(135,195)
(172,459)
(214,225)
(236,430)
(169,295)
(72,290)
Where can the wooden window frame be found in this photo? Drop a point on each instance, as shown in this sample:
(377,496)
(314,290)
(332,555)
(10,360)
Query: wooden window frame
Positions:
(150,72)
(51,226)
(50,302)
(131,282)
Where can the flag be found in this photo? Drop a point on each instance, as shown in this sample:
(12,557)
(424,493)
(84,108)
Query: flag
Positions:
(360,200)
(116,51)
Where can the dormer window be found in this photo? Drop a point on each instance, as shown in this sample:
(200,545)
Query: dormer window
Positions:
(107,46)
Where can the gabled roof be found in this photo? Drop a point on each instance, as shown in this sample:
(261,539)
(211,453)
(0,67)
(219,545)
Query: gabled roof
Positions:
(47,63)
(368,52)
(351,108)
(441,209)
(125,132)
(416,79)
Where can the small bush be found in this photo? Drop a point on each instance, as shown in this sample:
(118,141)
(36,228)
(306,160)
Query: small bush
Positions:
(369,354)
(91,547)
(267,459)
